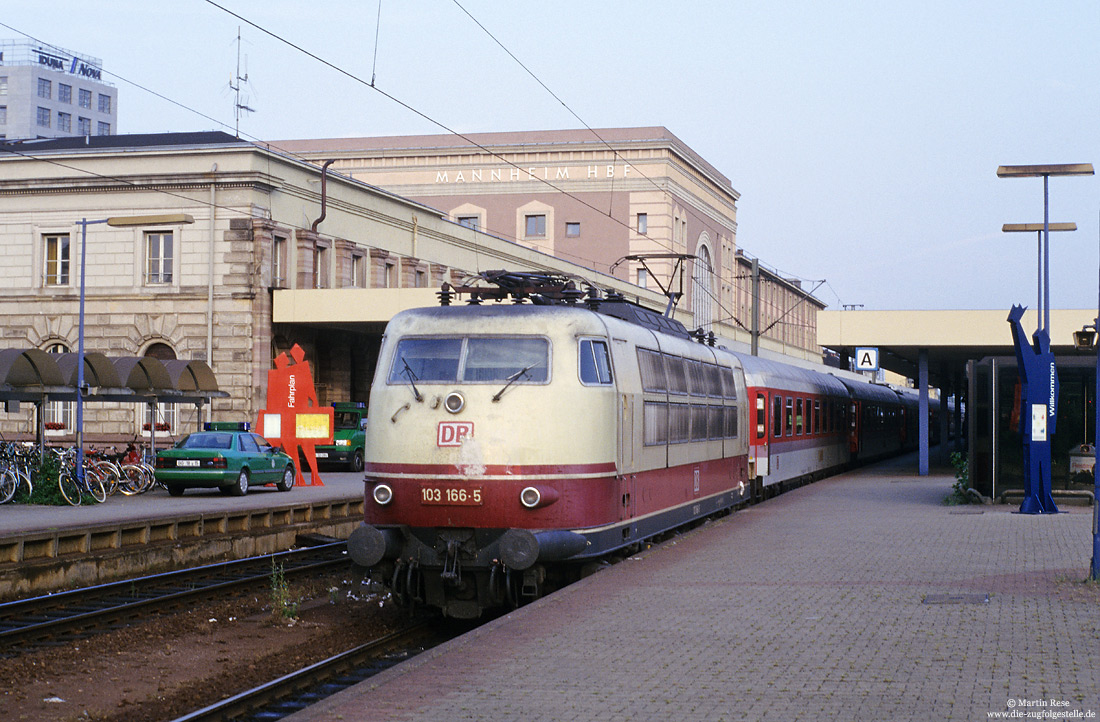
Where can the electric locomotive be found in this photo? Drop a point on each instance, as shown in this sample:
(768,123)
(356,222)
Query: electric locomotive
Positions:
(511,444)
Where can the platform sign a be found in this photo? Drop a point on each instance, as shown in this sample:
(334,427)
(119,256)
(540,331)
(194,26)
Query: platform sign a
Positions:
(866,359)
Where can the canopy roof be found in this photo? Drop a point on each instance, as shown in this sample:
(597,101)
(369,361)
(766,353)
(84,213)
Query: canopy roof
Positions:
(34,375)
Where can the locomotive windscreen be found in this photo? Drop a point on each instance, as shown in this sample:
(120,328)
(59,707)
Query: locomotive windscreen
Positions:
(477,359)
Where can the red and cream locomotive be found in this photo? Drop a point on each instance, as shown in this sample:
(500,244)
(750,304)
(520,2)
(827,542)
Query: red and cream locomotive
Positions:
(512,444)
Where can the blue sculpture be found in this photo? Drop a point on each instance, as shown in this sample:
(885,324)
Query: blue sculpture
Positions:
(1038,413)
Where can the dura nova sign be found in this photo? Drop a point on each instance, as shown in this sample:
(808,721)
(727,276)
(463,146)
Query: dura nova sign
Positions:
(543,173)
(73,66)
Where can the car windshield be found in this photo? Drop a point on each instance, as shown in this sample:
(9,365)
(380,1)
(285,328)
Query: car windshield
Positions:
(207,440)
(490,359)
(347,420)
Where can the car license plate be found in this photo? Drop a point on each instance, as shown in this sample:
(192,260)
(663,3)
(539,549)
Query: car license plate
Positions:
(321,454)
(445,495)
(187,462)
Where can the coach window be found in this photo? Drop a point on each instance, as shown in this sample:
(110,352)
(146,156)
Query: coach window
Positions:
(789,420)
(777,416)
(798,417)
(761,413)
(595,362)
(817,417)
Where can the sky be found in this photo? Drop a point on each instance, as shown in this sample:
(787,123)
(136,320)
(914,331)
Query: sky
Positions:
(863,136)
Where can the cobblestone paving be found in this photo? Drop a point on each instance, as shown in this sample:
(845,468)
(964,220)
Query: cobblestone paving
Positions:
(808,607)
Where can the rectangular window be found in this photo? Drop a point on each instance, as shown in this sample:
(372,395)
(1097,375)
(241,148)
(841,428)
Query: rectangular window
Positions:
(817,417)
(43,117)
(595,362)
(679,423)
(655,423)
(159,257)
(65,122)
(488,359)
(643,223)
(788,422)
(103,128)
(651,365)
(643,278)
(3,115)
(420,279)
(390,277)
(84,126)
(320,267)
(535,226)
(45,88)
(358,271)
(85,98)
(572,230)
(57,259)
(798,417)
(104,103)
(3,85)
(64,93)
(278,262)
(777,416)
(761,416)
(469,221)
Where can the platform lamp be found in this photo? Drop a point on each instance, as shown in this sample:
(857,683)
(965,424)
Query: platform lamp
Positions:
(170,219)
(1045,171)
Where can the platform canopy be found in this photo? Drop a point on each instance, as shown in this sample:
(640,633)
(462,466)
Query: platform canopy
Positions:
(35,376)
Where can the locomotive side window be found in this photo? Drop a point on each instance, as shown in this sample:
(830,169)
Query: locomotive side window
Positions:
(679,423)
(655,423)
(714,380)
(728,384)
(677,375)
(652,368)
(731,421)
(595,362)
(697,380)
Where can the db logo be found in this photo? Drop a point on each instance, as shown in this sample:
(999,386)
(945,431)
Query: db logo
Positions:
(453,433)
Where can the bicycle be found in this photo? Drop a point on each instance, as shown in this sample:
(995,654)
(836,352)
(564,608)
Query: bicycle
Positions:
(18,465)
(69,482)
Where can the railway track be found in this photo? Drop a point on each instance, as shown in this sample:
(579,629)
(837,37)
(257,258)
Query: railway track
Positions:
(298,690)
(56,619)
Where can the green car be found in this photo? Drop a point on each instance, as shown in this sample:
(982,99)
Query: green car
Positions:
(224,455)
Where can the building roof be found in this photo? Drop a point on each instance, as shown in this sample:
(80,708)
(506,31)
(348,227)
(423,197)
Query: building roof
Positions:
(134,140)
(529,141)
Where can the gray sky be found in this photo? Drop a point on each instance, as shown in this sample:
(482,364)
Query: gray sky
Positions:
(863,136)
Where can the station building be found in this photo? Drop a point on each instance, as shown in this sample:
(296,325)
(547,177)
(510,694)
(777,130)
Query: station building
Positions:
(50,92)
(618,200)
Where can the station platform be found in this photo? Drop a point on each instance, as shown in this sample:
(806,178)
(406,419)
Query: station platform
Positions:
(860,597)
(49,548)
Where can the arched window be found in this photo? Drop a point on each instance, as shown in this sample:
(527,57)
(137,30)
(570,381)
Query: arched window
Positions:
(702,295)
(164,416)
(59,416)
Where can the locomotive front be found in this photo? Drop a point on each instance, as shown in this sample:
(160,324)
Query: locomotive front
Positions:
(492,439)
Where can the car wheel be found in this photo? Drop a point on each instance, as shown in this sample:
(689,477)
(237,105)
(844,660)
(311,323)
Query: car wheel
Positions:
(241,487)
(287,482)
(175,490)
(357,460)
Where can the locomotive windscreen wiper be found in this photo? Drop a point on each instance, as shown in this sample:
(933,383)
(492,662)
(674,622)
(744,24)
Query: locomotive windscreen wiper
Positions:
(512,379)
(412,380)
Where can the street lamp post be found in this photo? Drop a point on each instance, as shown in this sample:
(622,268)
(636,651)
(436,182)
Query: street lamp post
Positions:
(1038,229)
(171,219)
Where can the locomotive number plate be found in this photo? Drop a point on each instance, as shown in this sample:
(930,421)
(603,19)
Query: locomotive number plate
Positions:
(450,495)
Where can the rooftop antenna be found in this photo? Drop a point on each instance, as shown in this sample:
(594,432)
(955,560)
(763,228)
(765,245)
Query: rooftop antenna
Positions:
(238,105)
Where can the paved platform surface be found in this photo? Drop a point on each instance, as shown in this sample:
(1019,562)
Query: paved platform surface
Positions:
(811,606)
(19,519)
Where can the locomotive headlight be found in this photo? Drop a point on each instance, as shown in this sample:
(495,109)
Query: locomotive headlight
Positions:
(382,494)
(454,402)
(530,497)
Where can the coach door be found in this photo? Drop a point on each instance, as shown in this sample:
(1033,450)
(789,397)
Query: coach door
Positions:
(760,443)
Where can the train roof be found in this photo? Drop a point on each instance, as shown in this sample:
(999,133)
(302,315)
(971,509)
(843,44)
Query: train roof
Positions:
(761,371)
